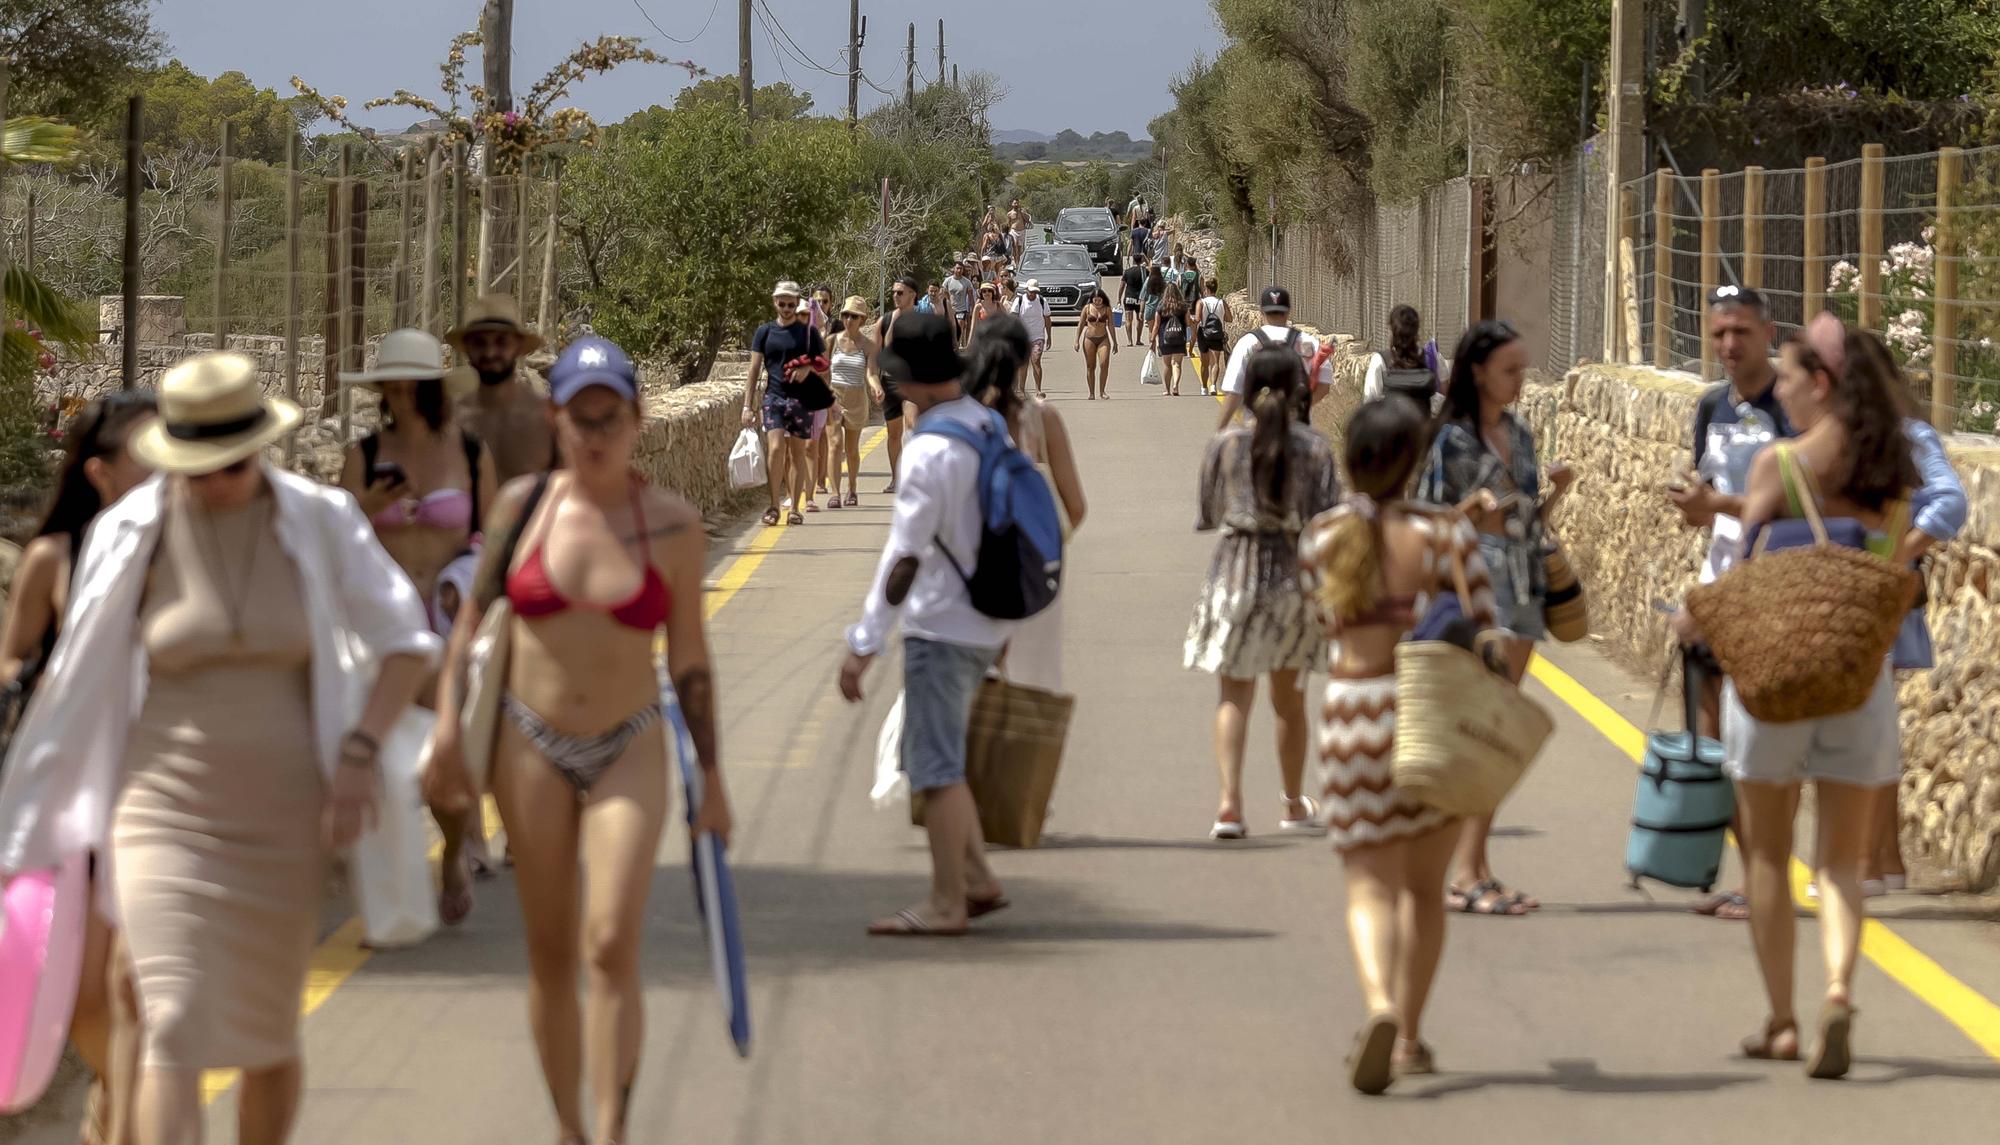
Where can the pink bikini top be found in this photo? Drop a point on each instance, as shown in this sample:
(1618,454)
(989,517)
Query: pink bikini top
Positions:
(440,509)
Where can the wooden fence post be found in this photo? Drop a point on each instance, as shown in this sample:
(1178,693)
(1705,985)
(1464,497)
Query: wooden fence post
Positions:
(1663,269)
(1813,296)
(1711,262)
(1753,228)
(291,281)
(520,228)
(1626,320)
(1871,237)
(128,318)
(461,201)
(1944,305)
(354,346)
(433,207)
(546,325)
(222,227)
(404,222)
(333,300)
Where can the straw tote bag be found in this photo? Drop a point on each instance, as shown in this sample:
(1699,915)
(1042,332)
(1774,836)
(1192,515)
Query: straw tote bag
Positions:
(1803,632)
(1566,610)
(1464,734)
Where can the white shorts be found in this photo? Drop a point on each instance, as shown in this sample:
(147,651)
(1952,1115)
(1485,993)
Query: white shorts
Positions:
(1862,747)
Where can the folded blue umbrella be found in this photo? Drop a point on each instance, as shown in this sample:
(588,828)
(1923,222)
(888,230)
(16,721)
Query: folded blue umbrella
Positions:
(714,890)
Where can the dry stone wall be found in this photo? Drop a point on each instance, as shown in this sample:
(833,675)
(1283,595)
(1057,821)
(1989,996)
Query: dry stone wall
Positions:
(1626,430)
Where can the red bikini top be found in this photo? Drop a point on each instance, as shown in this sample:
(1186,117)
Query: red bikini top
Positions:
(533,594)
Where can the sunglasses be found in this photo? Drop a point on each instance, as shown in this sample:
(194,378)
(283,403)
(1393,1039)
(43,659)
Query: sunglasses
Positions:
(1736,296)
(848,317)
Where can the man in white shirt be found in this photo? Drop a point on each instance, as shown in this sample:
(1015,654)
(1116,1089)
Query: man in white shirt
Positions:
(1277,330)
(947,643)
(1033,311)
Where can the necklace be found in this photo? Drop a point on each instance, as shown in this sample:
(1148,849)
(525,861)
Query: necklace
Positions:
(235,597)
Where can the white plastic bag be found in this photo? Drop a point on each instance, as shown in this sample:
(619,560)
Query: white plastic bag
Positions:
(391,865)
(1150,373)
(746,461)
(891,783)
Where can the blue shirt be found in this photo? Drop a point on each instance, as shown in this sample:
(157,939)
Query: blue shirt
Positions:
(1938,508)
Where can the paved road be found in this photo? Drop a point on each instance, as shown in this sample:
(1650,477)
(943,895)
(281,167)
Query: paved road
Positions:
(1148,986)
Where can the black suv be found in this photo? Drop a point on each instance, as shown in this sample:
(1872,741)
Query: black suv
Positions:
(1092,228)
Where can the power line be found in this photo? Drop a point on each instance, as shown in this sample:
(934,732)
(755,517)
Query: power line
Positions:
(676,39)
(771,23)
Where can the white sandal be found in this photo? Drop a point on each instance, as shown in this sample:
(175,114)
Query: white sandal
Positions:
(1311,825)
(1228,830)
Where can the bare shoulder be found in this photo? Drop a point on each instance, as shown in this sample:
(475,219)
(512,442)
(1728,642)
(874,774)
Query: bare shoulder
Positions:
(44,557)
(670,517)
(515,493)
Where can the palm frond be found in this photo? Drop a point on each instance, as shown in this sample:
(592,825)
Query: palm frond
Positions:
(34,139)
(36,303)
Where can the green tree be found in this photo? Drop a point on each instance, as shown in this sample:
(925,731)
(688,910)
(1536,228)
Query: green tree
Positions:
(186,109)
(772,101)
(73,58)
(697,213)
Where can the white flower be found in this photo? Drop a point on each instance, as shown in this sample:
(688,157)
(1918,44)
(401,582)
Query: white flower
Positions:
(1844,276)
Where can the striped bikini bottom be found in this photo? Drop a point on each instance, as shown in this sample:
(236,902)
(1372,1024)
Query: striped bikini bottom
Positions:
(580,759)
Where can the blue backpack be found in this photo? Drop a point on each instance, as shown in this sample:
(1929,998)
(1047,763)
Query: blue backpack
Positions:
(1019,567)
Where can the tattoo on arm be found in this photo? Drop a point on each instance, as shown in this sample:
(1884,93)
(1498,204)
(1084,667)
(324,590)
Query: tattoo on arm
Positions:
(897,587)
(696,689)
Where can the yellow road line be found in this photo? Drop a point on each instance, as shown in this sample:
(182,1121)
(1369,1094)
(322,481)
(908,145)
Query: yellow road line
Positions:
(340,954)
(1973,1013)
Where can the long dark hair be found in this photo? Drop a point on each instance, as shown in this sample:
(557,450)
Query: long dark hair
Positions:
(1867,398)
(1405,353)
(430,405)
(100,429)
(1156,281)
(994,366)
(1461,397)
(1172,303)
(1272,380)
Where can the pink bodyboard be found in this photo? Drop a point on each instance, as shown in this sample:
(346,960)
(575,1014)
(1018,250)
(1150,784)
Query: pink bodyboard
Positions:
(41,957)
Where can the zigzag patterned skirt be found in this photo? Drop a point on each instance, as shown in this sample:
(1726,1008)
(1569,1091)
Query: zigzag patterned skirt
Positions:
(1357,739)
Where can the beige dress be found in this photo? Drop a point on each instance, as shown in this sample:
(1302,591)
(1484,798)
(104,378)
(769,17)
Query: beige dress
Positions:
(216,840)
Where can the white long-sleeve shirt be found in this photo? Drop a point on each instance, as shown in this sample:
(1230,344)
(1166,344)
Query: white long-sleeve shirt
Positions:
(937,502)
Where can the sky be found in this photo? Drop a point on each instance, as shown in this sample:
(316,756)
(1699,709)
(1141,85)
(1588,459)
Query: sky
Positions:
(1091,67)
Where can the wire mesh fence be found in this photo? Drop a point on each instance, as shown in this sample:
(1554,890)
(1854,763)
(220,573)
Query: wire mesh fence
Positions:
(1908,247)
(303,266)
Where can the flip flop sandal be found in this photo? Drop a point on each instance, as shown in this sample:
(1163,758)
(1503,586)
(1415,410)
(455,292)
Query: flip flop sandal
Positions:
(1370,1066)
(1762,1047)
(793,518)
(833,502)
(812,505)
(1491,894)
(1310,825)
(909,924)
(1228,830)
(770,516)
(980,908)
(1833,1055)
(852,500)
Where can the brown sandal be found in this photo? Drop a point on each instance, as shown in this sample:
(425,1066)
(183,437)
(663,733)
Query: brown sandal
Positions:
(1833,1054)
(770,516)
(1764,1047)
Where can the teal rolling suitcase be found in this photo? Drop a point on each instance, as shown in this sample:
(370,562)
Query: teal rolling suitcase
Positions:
(1681,814)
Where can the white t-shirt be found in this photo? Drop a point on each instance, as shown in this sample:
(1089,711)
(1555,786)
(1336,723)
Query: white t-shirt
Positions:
(1308,347)
(1034,314)
(1376,382)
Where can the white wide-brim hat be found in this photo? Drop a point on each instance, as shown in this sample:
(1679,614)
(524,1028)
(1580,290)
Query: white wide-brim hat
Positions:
(407,355)
(213,414)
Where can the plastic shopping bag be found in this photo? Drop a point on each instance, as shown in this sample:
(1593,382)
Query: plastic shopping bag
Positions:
(746,461)
(391,864)
(1149,371)
(891,783)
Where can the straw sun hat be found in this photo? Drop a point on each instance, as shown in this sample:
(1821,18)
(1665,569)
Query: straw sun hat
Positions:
(402,356)
(495,312)
(213,414)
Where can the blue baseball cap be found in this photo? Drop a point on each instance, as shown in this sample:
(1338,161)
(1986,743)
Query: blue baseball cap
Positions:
(592,361)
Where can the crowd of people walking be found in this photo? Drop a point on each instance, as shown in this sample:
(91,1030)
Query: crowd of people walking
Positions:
(492,560)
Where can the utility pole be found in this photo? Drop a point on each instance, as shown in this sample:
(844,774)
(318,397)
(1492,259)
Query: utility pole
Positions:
(744,87)
(856,32)
(910,70)
(496,214)
(940,51)
(1626,155)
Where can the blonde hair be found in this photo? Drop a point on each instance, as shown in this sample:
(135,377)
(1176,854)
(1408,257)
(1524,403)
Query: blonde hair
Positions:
(1350,566)
(1385,442)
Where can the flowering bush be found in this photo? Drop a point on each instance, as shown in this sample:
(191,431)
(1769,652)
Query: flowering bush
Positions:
(1908,290)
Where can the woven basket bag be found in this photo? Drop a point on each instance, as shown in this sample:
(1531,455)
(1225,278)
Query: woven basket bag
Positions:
(1566,610)
(1464,734)
(1803,633)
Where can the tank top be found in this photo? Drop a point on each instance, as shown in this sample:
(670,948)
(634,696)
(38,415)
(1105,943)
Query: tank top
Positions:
(850,368)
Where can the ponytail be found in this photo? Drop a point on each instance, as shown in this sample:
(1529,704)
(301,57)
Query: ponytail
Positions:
(1271,380)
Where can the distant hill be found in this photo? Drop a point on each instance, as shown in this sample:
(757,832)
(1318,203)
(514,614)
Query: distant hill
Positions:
(1069,146)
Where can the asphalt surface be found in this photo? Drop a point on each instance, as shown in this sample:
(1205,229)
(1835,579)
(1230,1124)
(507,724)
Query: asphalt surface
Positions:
(1148,985)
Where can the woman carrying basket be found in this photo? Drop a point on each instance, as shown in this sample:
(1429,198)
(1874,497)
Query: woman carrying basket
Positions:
(1850,461)
(1376,562)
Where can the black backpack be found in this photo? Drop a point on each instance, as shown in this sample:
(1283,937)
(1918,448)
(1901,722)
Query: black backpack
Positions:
(1211,324)
(1414,383)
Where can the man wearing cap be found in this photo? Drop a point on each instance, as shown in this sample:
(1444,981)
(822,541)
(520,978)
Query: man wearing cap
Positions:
(904,296)
(1033,311)
(1277,330)
(507,411)
(947,643)
(785,357)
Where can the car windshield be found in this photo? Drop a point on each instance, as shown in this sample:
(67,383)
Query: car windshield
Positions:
(1055,258)
(1082,218)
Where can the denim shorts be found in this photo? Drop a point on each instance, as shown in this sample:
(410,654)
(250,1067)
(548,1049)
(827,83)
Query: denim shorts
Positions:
(1862,747)
(1513,608)
(939,682)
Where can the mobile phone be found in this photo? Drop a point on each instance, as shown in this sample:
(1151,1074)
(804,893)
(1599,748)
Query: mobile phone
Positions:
(387,472)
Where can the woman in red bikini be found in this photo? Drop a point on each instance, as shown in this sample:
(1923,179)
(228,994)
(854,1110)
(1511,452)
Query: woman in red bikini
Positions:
(593,562)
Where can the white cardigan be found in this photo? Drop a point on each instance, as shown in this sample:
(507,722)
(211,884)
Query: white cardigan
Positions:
(66,766)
